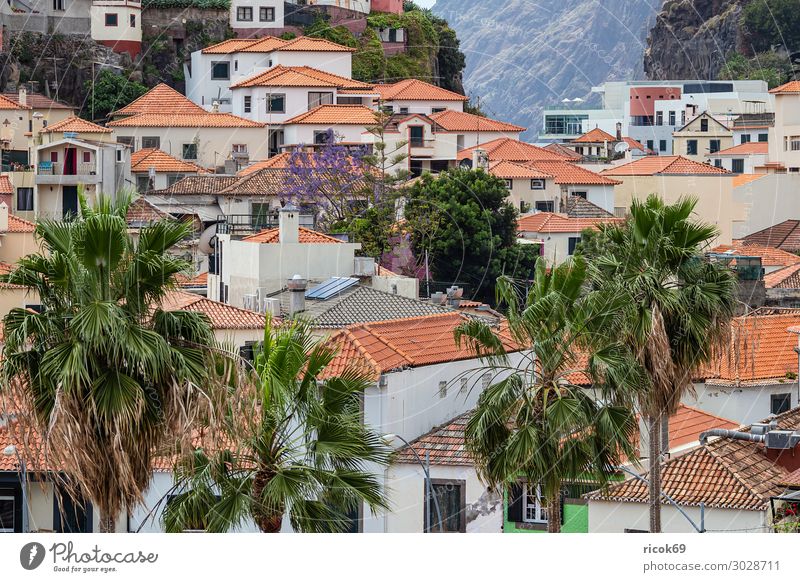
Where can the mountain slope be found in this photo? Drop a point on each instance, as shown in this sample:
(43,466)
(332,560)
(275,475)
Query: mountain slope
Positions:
(522,55)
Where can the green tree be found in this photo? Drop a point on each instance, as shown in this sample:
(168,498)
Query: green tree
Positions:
(106,373)
(769,23)
(535,423)
(302,451)
(769,66)
(109,91)
(678,307)
(465,222)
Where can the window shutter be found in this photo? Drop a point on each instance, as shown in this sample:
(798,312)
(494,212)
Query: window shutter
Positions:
(515,503)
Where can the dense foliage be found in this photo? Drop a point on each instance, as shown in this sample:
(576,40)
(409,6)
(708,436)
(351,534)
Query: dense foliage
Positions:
(220,4)
(109,92)
(771,23)
(465,222)
(769,66)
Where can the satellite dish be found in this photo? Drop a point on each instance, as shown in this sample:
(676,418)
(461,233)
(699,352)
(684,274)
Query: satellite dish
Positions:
(622,147)
(466,163)
(204,244)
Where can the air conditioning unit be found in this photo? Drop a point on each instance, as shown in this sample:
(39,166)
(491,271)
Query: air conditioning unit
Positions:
(249,302)
(781,439)
(271,305)
(364,267)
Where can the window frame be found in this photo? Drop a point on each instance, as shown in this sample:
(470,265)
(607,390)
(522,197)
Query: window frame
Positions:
(549,205)
(538,184)
(784,397)
(190,146)
(572,244)
(737,166)
(107,19)
(662,145)
(462,514)
(244,10)
(322,98)
(13,498)
(416,143)
(273,96)
(691,147)
(704,124)
(214,76)
(714,145)
(509,183)
(133,20)
(266,14)
(539,508)
(744,138)
(247,104)
(155,139)
(27,191)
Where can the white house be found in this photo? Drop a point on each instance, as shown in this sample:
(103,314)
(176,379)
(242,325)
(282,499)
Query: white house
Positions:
(415,96)
(348,123)
(251,17)
(745,158)
(468,130)
(117,24)
(557,234)
(784,136)
(153,169)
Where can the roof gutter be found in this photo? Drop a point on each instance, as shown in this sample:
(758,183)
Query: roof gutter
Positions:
(731,434)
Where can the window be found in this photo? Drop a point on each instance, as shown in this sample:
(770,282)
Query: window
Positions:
(87,157)
(220,71)
(537,184)
(451,495)
(119,155)
(172,178)
(276,103)
(579,194)
(737,166)
(348,100)
(459,142)
(763,137)
(662,145)
(533,507)
(745,138)
(112,19)
(58,4)
(672,118)
(545,206)
(794,143)
(244,14)
(235,64)
(442,388)
(151,142)
(133,21)
(266,14)
(8,509)
(143,182)
(317,98)
(691,147)
(650,144)
(780,403)
(659,118)
(713,146)
(239,148)
(416,135)
(321,137)
(683,117)
(717,163)
(437,109)
(248,103)
(128,140)
(404,110)
(573,242)
(509,184)
(24,199)
(464,385)
(415,167)
(704,124)
(54,157)
(189,151)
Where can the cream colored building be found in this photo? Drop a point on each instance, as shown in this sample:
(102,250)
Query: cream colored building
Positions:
(784,136)
(700,136)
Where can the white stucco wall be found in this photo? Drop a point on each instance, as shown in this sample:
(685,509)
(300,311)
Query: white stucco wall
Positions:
(743,404)
(770,199)
(613,517)
(299,133)
(426,107)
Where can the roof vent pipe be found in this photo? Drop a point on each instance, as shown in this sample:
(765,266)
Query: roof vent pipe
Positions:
(731,434)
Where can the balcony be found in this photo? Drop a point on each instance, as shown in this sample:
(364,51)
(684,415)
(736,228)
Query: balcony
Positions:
(56,173)
(421,148)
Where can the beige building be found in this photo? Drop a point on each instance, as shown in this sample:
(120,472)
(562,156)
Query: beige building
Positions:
(16,240)
(784,136)
(673,177)
(700,136)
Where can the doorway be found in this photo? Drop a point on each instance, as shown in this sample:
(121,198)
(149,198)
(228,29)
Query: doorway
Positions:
(70,161)
(69,201)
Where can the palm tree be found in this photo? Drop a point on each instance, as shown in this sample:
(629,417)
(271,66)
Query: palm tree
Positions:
(535,422)
(101,372)
(678,307)
(296,446)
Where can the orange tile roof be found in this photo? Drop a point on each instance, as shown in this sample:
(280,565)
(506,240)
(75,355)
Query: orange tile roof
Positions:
(550,222)
(310,43)
(663,165)
(416,90)
(569,173)
(199,280)
(141,212)
(742,179)
(761,348)
(784,235)
(160,99)
(786,88)
(336,115)
(6,103)
(511,170)
(37,101)
(204,119)
(17,224)
(221,315)
(636,145)
(686,425)
(770,256)
(385,346)
(77,125)
(744,149)
(567,153)
(596,135)
(281,161)
(6,187)
(785,278)
(305,236)
(512,150)
(144,159)
(281,76)
(452,120)
(268,44)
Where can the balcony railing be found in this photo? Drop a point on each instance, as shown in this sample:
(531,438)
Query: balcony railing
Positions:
(57,169)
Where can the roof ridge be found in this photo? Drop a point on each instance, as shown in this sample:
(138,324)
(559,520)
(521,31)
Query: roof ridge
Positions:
(387,342)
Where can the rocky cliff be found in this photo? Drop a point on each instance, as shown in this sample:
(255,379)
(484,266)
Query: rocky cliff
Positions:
(522,55)
(692,39)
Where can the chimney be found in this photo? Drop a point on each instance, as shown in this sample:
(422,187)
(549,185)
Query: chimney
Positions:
(23,96)
(619,131)
(297,294)
(480,160)
(3,217)
(289,224)
(215,107)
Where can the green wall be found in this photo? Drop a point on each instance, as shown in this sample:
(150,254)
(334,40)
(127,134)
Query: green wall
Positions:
(576,520)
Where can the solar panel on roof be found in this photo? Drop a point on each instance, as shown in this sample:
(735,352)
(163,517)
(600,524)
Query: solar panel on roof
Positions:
(330,287)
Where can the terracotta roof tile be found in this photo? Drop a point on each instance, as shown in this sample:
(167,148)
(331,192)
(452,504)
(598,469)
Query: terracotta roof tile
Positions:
(270,44)
(595,135)
(282,76)
(17,224)
(512,150)
(550,222)
(770,256)
(144,159)
(281,161)
(744,149)
(204,119)
(306,236)
(634,144)
(663,165)
(160,99)
(452,120)
(6,187)
(742,179)
(513,170)
(142,212)
(310,43)
(564,151)
(77,125)
(37,101)
(222,315)
(784,235)
(336,115)
(785,278)
(580,207)
(199,280)
(416,90)
(786,88)
(199,184)
(569,173)
(6,104)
